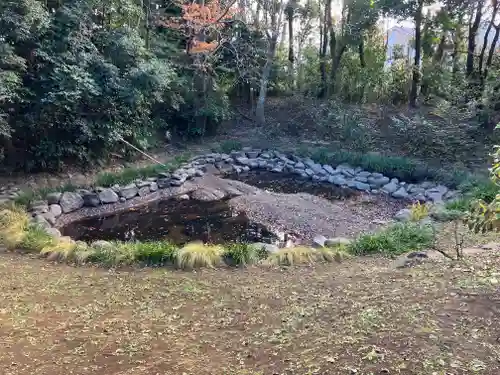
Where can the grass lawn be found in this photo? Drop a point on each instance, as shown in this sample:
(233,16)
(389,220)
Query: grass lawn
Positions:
(361,316)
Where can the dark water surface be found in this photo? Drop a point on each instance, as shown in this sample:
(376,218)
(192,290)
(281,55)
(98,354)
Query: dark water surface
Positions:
(182,221)
(177,221)
(292,184)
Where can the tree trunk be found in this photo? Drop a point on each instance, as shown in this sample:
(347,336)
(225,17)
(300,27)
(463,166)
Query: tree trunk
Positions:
(457,39)
(291,57)
(264,80)
(438,57)
(361,51)
(418,44)
(486,35)
(492,50)
(471,44)
(322,52)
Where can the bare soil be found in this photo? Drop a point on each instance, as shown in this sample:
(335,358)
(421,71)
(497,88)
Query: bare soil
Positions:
(358,317)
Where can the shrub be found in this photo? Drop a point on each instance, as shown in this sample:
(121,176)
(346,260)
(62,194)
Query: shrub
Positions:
(62,249)
(36,238)
(394,240)
(230,145)
(292,256)
(418,211)
(333,254)
(197,255)
(13,223)
(241,254)
(157,252)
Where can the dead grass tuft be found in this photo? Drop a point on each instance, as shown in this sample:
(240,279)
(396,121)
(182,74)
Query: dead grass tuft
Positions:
(293,256)
(198,255)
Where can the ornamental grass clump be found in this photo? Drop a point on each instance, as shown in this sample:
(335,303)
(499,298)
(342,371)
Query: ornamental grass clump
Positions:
(198,255)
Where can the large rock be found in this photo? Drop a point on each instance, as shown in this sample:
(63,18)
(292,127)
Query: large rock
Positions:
(54,198)
(55,210)
(401,193)
(361,186)
(337,180)
(403,215)
(91,200)
(71,202)
(39,207)
(208,195)
(391,187)
(108,196)
(130,191)
(319,241)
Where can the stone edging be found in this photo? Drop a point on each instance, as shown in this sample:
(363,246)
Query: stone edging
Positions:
(50,212)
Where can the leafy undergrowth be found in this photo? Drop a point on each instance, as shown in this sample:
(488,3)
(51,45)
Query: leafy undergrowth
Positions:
(394,240)
(359,317)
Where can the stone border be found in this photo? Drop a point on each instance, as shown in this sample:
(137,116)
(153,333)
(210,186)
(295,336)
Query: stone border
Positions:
(52,212)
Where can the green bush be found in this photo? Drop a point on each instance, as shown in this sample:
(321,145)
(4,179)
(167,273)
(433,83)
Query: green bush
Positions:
(230,145)
(36,238)
(394,240)
(241,254)
(157,252)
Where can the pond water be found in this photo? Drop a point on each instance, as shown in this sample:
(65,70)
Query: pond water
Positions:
(177,221)
(182,221)
(292,184)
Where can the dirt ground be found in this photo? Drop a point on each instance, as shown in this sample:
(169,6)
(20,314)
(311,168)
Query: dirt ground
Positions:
(359,317)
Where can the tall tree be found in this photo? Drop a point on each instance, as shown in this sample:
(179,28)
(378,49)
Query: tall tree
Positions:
(476,13)
(272,22)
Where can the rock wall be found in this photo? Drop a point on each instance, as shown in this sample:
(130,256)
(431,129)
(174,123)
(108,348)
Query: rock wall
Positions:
(188,180)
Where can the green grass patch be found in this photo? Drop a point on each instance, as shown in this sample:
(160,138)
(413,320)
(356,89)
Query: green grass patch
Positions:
(131,174)
(241,254)
(36,239)
(230,145)
(405,169)
(394,240)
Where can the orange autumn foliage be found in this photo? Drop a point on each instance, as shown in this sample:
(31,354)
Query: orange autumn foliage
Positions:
(196,19)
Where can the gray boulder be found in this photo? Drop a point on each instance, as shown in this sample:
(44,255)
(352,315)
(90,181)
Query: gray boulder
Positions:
(54,198)
(243,160)
(401,193)
(329,169)
(39,207)
(403,215)
(51,219)
(319,241)
(361,186)
(55,210)
(163,183)
(378,181)
(391,187)
(153,187)
(71,202)
(144,191)
(337,180)
(129,191)
(108,196)
(91,200)
(53,232)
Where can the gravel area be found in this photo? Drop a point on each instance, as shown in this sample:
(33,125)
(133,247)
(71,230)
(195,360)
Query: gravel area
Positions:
(308,215)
